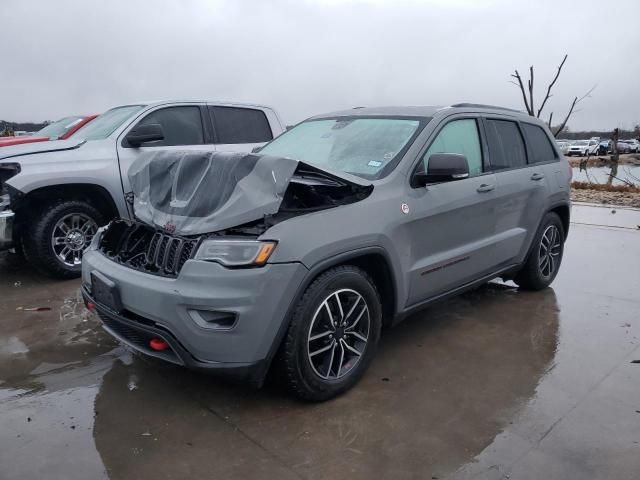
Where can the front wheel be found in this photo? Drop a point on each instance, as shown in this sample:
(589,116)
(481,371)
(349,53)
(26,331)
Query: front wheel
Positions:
(545,256)
(333,334)
(58,235)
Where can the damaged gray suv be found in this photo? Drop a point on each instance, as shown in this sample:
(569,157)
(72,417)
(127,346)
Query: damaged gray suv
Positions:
(296,257)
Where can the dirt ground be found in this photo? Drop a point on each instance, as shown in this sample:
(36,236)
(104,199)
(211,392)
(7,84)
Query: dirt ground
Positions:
(495,384)
(626,199)
(599,160)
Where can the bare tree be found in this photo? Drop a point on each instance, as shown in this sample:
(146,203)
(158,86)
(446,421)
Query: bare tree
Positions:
(613,160)
(527,96)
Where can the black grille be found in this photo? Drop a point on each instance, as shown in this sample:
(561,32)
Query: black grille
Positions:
(142,248)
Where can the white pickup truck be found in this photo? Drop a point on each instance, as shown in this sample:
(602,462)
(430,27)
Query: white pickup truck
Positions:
(55,195)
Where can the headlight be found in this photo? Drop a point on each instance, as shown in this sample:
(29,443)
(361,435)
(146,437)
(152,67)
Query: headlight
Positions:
(236,253)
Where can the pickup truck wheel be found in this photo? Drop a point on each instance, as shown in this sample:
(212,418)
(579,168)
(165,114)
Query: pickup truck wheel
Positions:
(545,257)
(58,236)
(333,334)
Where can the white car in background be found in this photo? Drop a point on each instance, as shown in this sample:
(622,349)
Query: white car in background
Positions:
(582,148)
(634,145)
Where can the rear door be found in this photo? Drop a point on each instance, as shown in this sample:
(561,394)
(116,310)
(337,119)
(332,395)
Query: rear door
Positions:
(184,129)
(452,228)
(522,190)
(239,129)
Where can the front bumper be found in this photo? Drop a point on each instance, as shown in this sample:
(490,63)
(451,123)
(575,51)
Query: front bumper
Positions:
(164,308)
(6,229)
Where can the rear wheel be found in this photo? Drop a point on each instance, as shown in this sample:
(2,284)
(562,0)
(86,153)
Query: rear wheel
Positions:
(545,257)
(58,236)
(333,334)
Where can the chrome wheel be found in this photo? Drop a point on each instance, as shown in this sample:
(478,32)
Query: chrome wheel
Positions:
(338,335)
(71,236)
(549,251)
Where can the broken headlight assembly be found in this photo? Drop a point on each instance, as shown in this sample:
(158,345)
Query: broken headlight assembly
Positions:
(235,253)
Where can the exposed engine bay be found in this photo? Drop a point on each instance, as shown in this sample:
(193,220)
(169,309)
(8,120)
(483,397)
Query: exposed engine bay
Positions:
(181,198)
(195,193)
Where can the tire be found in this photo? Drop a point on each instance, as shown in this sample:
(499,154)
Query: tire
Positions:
(316,377)
(37,239)
(537,273)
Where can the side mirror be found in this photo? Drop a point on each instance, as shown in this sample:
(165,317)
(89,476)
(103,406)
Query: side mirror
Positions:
(443,167)
(140,134)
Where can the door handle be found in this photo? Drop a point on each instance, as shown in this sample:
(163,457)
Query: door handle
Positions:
(537,176)
(485,187)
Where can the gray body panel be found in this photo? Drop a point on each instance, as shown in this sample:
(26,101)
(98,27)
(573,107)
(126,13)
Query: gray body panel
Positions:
(436,240)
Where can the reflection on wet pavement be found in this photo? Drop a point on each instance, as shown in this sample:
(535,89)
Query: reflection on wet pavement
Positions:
(492,384)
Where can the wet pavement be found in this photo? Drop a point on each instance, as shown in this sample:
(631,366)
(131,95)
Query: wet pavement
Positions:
(494,384)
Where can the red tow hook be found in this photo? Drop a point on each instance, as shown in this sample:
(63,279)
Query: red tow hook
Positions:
(158,344)
(90,306)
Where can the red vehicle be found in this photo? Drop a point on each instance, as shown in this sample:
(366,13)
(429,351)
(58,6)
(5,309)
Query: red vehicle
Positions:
(60,130)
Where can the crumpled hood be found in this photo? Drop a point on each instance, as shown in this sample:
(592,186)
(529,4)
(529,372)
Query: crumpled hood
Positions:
(197,192)
(39,147)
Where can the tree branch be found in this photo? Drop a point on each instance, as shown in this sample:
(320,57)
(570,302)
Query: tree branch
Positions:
(553,82)
(576,100)
(531,90)
(550,117)
(566,119)
(516,75)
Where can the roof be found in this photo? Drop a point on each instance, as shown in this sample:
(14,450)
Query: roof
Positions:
(417,111)
(153,103)
(425,111)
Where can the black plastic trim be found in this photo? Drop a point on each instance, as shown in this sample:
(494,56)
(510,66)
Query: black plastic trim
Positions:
(453,292)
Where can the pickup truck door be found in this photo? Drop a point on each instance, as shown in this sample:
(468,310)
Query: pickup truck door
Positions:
(185,127)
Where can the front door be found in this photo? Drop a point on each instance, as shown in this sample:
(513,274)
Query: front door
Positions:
(183,130)
(451,234)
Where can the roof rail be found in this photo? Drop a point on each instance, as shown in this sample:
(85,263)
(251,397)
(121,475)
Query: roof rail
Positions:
(480,105)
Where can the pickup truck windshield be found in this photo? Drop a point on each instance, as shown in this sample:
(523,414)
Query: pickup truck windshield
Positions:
(366,147)
(107,123)
(57,129)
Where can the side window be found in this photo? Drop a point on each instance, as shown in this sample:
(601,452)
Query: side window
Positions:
(240,125)
(506,146)
(181,126)
(459,136)
(541,149)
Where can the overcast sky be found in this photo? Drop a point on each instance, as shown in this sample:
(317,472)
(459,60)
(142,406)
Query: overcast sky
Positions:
(311,56)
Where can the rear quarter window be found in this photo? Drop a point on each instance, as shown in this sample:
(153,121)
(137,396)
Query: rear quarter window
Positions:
(539,144)
(240,125)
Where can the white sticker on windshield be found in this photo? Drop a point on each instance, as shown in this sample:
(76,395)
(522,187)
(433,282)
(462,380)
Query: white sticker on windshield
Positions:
(388,156)
(374,163)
